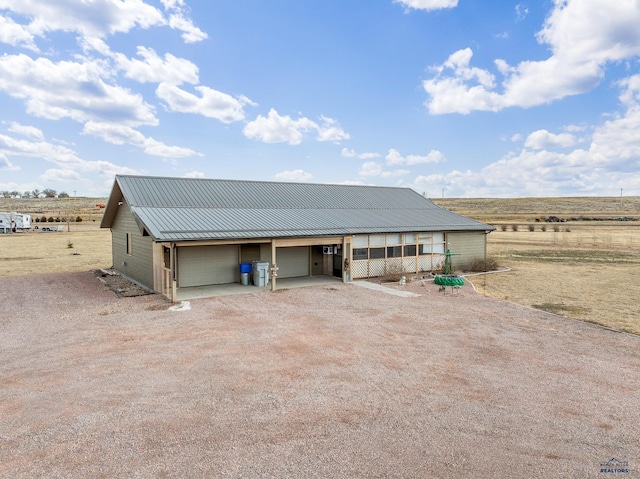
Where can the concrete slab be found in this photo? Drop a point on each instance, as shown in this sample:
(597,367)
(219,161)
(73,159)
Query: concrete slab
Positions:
(384,289)
(237,288)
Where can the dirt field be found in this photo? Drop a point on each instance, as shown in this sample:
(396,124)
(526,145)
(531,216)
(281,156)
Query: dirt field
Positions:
(335,381)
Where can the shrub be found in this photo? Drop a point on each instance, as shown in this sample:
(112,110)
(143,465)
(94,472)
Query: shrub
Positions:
(532,228)
(78,219)
(36,220)
(489,264)
(503,227)
(69,244)
(50,220)
(393,273)
(514,227)
(43,219)
(556,228)
(543,228)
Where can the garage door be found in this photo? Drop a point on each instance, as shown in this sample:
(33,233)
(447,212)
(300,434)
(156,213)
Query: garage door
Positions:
(202,265)
(293,262)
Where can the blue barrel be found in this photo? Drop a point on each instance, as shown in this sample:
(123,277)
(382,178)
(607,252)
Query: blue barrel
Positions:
(245,267)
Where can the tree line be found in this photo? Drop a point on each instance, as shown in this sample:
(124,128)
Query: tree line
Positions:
(46,193)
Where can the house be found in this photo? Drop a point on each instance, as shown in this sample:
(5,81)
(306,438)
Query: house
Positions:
(172,234)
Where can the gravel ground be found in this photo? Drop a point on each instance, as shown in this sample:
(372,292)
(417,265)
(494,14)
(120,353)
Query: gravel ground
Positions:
(329,381)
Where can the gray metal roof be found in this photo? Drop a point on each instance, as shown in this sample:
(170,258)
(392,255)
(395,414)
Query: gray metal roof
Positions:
(174,209)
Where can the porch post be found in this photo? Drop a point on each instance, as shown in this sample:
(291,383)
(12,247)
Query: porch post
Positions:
(273,263)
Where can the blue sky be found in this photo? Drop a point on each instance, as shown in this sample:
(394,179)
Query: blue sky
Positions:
(450,97)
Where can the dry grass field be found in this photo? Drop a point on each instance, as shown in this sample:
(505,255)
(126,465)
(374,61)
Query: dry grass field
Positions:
(587,269)
(584,269)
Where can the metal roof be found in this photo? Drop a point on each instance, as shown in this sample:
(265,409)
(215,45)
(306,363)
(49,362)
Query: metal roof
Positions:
(174,209)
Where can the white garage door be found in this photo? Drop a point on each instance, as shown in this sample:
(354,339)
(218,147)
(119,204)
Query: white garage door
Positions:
(202,265)
(293,262)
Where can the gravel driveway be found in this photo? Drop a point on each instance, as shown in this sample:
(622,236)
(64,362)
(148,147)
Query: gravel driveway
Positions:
(328,381)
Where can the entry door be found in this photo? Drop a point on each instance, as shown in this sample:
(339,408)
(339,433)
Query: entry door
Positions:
(337,262)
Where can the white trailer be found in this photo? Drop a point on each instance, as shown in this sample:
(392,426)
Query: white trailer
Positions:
(11,222)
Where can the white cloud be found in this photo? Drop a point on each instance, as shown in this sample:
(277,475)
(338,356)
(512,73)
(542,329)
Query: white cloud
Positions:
(194,174)
(154,69)
(371,168)
(330,130)
(91,19)
(113,133)
(275,128)
(73,90)
(521,12)
(65,158)
(210,103)
(190,33)
(351,153)
(121,134)
(15,34)
(27,131)
(60,175)
(610,162)
(375,168)
(542,140)
(395,158)
(427,4)
(583,36)
(394,173)
(157,148)
(293,175)
(178,20)
(6,165)
(95,18)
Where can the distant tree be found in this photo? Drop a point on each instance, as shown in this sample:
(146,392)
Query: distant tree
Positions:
(5,194)
(26,194)
(36,193)
(63,194)
(49,193)
(15,194)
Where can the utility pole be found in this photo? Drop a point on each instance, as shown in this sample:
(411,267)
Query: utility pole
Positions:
(620,197)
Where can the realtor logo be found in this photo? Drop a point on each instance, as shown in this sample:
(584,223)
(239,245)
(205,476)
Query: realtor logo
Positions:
(614,466)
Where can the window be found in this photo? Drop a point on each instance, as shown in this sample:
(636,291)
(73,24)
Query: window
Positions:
(361,241)
(129,243)
(394,251)
(393,239)
(376,240)
(376,253)
(410,250)
(360,253)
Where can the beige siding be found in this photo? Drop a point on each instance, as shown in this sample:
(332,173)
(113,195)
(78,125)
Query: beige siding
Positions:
(467,247)
(139,264)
